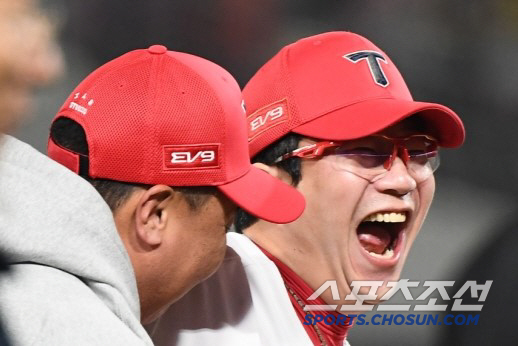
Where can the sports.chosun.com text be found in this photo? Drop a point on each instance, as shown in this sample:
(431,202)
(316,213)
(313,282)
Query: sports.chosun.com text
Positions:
(393,319)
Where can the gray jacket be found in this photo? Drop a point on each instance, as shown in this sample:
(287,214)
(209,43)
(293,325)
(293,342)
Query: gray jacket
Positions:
(70,280)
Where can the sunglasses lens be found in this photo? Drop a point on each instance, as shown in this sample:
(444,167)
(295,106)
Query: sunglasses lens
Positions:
(370,158)
(422,166)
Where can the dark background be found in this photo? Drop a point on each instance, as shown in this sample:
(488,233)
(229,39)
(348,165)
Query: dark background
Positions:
(463,54)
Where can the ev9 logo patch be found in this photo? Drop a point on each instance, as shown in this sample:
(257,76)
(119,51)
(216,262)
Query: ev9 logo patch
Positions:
(191,156)
(188,157)
(267,117)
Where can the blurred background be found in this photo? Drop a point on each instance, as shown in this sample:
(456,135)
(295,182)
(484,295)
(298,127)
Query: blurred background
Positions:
(462,54)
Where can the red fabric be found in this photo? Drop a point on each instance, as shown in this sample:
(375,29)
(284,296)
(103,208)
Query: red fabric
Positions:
(154,116)
(65,157)
(333,334)
(337,86)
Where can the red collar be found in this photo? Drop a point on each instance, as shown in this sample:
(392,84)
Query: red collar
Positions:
(299,291)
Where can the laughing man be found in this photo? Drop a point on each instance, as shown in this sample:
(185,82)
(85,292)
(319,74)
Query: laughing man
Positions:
(331,115)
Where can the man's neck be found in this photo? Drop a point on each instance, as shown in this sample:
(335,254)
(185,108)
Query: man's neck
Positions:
(301,252)
(320,332)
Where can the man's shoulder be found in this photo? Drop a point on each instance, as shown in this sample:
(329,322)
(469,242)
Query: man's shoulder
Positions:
(47,306)
(19,161)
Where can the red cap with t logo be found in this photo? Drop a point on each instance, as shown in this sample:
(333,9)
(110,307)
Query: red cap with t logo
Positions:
(154,116)
(336,86)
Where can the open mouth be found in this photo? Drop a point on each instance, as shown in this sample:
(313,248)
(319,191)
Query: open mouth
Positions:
(381,233)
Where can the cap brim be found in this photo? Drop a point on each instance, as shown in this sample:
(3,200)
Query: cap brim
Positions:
(370,116)
(266,197)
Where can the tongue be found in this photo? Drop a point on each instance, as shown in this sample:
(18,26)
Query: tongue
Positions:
(373,237)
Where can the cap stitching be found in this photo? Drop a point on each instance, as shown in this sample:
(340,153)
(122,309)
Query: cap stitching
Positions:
(155,83)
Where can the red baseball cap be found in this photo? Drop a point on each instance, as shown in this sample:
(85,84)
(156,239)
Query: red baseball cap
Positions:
(154,116)
(336,86)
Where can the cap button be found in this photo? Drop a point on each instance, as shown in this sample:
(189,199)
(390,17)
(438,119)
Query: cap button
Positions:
(157,49)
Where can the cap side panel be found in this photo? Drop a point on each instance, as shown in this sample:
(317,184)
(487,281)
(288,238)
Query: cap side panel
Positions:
(229,116)
(269,86)
(118,149)
(83,103)
(188,126)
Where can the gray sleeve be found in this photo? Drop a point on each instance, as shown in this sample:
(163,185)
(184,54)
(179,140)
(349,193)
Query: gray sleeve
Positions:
(42,305)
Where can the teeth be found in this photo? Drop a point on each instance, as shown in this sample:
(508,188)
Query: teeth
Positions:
(387,254)
(386,217)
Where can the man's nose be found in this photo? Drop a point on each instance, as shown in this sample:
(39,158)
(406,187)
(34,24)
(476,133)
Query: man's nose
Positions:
(397,180)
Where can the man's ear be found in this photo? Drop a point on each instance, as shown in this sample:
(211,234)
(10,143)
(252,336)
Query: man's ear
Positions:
(274,171)
(151,215)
